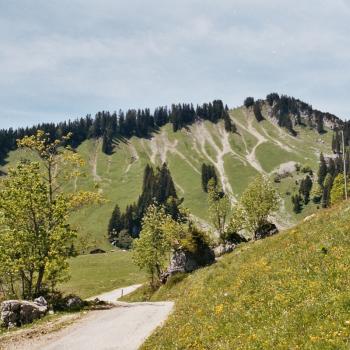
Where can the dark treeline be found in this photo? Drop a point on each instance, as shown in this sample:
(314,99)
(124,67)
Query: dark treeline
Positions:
(337,138)
(122,124)
(327,172)
(290,112)
(158,187)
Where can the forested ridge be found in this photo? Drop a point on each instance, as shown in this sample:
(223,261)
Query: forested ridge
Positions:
(142,122)
(107,125)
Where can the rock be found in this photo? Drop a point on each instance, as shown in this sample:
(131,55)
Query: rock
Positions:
(15,313)
(266,230)
(184,261)
(224,249)
(97,251)
(40,301)
(73,302)
(310,217)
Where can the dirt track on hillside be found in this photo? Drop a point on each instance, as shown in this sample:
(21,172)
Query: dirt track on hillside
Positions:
(125,326)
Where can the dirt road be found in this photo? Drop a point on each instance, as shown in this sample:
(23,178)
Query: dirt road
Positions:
(124,327)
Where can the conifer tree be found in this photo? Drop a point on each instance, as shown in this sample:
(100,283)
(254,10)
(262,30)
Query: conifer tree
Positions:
(165,185)
(257,111)
(249,102)
(305,188)
(322,171)
(208,172)
(296,200)
(107,142)
(229,125)
(115,223)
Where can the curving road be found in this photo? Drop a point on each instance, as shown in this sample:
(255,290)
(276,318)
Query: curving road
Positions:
(124,327)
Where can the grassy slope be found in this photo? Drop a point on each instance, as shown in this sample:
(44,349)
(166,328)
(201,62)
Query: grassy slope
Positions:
(119,176)
(290,291)
(94,274)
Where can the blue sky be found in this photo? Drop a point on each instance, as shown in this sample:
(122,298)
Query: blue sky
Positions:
(64,59)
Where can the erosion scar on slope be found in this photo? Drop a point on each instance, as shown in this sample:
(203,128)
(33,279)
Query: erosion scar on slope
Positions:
(251,156)
(202,135)
(93,162)
(133,158)
(161,145)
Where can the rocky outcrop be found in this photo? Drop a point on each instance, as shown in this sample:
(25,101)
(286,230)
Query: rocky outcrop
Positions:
(183,261)
(224,249)
(267,230)
(15,313)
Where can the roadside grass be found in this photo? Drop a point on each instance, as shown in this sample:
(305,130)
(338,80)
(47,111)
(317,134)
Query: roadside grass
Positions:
(16,337)
(289,291)
(94,274)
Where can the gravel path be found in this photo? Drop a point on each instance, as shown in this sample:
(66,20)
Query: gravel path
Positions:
(124,327)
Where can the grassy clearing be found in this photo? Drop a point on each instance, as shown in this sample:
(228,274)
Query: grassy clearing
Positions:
(98,273)
(289,291)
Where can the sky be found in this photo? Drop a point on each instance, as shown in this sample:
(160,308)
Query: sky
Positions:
(62,59)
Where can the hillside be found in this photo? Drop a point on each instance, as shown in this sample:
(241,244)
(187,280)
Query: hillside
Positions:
(256,147)
(289,291)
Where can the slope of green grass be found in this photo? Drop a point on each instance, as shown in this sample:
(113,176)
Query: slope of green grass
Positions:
(271,156)
(119,176)
(98,273)
(290,291)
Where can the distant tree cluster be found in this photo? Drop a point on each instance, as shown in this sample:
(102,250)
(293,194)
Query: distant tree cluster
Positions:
(208,172)
(303,196)
(328,171)
(290,111)
(108,125)
(158,187)
(182,115)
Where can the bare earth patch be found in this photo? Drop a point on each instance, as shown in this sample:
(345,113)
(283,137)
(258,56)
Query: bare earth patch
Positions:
(22,338)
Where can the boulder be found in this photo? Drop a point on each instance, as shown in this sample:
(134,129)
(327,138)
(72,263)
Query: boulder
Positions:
(15,313)
(97,251)
(223,249)
(182,261)
(40,301)
(266,230)
(74,303)
(185,261)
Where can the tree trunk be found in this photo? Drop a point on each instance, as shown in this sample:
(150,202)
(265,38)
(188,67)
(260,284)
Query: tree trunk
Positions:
(39,280)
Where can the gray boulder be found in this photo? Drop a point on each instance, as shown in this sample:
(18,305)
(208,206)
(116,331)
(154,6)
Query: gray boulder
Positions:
(40,301)
(15,313)
(267,230)
(224,249)
(182,261)
(73,303)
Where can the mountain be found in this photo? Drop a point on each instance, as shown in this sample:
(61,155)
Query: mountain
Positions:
(271,136)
